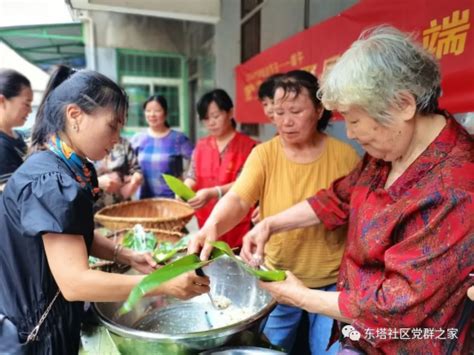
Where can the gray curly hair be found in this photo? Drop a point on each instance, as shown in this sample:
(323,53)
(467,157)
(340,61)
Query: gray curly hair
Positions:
(378,68)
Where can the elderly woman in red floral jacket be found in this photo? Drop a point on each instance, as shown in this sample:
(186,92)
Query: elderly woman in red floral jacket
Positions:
(409,206)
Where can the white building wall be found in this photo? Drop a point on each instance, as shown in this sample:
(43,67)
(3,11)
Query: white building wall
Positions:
(227,45)
(138,32)
(128,31)
(107,62)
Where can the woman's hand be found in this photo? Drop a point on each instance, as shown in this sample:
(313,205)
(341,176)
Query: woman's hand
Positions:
(228,212)
(142,262)
(290,291)
(110,183)
(470,293)
(185,286)
(199,243)
(136,179)
(202,197)
(132,183)
(254,243)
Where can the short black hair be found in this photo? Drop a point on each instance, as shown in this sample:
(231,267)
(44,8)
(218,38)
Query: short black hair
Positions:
(222,100)
(12,82)
(294,82)
(157,98)
(163,103)
(87,89)
(219,96)
(266,89)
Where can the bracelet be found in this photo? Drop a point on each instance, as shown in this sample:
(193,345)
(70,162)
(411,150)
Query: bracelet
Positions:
(219,192)
(117,248)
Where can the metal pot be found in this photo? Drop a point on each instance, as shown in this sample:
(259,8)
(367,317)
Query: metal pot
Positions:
(165,325)
(242,350)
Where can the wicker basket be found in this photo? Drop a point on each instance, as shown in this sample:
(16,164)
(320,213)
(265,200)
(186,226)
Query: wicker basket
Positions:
(153,213)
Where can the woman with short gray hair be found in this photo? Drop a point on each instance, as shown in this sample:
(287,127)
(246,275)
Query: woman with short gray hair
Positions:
(408,205)
(376,72)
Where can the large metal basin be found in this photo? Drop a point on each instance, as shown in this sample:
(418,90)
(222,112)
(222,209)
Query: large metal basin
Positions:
(172,326)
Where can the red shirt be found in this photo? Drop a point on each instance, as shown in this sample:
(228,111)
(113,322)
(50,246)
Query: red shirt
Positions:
(409,247)
(214,170)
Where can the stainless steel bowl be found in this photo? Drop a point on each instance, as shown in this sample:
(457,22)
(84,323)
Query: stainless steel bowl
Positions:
(242,350)
(165,325)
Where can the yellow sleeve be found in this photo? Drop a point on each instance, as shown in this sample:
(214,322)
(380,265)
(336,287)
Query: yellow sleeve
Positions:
(249,184)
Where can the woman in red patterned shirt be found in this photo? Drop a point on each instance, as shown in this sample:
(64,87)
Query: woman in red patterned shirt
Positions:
(409,206)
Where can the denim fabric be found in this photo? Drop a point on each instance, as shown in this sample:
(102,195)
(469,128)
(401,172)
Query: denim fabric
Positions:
(282,325)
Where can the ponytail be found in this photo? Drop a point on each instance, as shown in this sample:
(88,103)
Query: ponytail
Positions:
(87,89)
(41,128)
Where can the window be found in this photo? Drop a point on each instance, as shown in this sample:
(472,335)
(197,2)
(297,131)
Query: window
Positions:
(143,74)
(250,29)
(250,41)
(248,6)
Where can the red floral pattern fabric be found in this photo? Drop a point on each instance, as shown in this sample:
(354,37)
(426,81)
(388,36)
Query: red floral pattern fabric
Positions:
(410,247)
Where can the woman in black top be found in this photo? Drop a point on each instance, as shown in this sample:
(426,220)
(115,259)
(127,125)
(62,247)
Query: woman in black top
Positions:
(15,106)
(47,227)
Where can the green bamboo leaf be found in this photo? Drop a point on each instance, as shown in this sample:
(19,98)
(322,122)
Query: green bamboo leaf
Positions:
(139,242)
(178,187)
(164,274)
(264,275)
(216,253)
(127,241)
(158,277)
(224,247)
(267,275)
(161,256)
(164,251)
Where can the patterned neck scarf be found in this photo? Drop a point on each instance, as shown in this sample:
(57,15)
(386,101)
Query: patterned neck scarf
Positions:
(83,170)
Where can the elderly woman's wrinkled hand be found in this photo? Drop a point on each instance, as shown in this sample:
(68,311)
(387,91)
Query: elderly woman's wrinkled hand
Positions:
(291,291)
(254,243)
(199,243)
(470,293)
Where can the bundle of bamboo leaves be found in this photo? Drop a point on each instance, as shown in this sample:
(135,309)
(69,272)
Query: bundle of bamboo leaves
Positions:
(189,263)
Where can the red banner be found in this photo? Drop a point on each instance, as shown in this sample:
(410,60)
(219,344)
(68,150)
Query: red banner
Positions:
(444,27)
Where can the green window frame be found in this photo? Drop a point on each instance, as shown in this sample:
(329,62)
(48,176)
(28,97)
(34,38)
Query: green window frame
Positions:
(144,73)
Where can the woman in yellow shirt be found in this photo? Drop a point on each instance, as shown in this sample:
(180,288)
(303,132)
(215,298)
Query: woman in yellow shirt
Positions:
(279,173)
